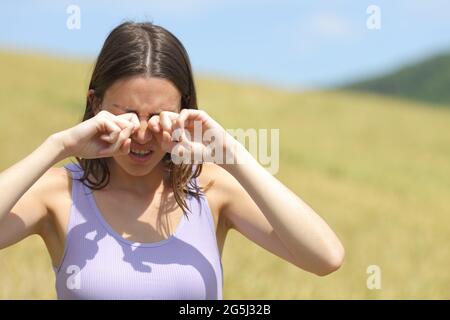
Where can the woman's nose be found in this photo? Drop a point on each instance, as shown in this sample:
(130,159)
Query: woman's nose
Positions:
(143,135)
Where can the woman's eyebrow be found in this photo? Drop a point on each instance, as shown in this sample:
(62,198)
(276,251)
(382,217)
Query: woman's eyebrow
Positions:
(127,109)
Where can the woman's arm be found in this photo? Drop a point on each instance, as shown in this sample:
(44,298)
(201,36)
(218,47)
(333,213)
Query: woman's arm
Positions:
(266,211)
(22,205)
(255,203)
(24,186)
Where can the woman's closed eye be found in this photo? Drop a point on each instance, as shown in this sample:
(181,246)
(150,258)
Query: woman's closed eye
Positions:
(135,112)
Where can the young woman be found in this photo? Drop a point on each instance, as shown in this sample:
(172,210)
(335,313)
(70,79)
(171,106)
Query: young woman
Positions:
(127,221)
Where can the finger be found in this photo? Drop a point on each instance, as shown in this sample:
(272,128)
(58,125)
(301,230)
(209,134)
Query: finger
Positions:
(167,138)
(121,120)
(123,136)
(158,137)
(126,133)
(110,127)
(189,118)
(166,141)
(154,124)
(168,120)
(105,137)
(181,122)
(131,117)
(184,115)
(126,146)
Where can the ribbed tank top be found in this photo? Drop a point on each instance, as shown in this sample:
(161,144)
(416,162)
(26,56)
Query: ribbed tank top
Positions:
(98,263)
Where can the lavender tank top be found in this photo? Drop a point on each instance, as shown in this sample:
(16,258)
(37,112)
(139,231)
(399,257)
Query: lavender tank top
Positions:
(98,263)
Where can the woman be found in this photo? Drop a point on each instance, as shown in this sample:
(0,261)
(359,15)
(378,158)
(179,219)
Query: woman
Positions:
(131,221)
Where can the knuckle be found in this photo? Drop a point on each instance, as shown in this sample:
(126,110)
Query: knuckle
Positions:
(103,113)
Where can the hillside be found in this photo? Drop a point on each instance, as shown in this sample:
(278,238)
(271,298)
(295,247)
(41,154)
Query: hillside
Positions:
(427,80)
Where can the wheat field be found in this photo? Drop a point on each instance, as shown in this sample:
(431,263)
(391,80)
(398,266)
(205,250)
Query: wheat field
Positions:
(376,168)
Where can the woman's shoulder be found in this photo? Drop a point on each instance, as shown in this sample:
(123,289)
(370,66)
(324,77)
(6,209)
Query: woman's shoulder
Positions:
(59,178)
(216,180)
(53,180)
(218,184)
(58,181)
(221,180)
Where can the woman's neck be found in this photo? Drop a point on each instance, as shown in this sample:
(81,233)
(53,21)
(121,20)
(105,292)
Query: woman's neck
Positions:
(154,182)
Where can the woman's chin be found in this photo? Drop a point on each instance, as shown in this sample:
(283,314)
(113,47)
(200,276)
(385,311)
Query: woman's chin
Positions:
(139,166)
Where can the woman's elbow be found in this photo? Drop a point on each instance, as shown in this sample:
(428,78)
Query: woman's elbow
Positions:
(332,262)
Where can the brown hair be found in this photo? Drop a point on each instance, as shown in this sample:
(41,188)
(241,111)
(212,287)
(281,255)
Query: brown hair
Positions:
(142,49)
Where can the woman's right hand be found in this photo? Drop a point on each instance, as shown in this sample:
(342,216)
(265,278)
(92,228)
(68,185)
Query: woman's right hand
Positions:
(103,135)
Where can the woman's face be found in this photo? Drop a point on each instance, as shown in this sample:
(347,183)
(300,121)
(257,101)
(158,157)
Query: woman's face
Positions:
(144,96)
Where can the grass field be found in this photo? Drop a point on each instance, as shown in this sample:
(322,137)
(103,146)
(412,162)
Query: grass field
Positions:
(377,169)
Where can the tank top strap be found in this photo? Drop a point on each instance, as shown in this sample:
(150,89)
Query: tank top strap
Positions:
(75,170)
(80,206)
(200,207)
(75,217)
(203,229)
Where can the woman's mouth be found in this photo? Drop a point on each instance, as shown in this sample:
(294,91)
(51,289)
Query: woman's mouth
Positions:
(140,156)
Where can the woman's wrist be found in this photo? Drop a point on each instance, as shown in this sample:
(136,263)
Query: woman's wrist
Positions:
(56,147)
(235,154)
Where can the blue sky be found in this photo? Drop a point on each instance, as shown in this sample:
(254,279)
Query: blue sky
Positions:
(294,44)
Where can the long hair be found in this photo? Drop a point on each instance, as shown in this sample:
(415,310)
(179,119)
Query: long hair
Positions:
(142,49)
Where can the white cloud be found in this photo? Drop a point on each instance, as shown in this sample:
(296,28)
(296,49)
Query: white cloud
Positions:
(310,32)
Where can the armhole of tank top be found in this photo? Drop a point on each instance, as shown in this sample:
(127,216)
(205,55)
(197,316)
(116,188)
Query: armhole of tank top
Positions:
(71,218)
(204,199)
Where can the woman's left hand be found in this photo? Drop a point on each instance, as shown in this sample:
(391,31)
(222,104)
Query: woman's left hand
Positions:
(191,136)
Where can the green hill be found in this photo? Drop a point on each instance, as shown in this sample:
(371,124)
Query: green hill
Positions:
(427,80)
(376,168)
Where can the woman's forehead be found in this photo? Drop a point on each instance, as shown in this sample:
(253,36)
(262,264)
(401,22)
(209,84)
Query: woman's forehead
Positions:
(140,93)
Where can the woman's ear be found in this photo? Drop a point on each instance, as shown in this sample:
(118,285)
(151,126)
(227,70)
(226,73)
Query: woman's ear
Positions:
(93,101)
